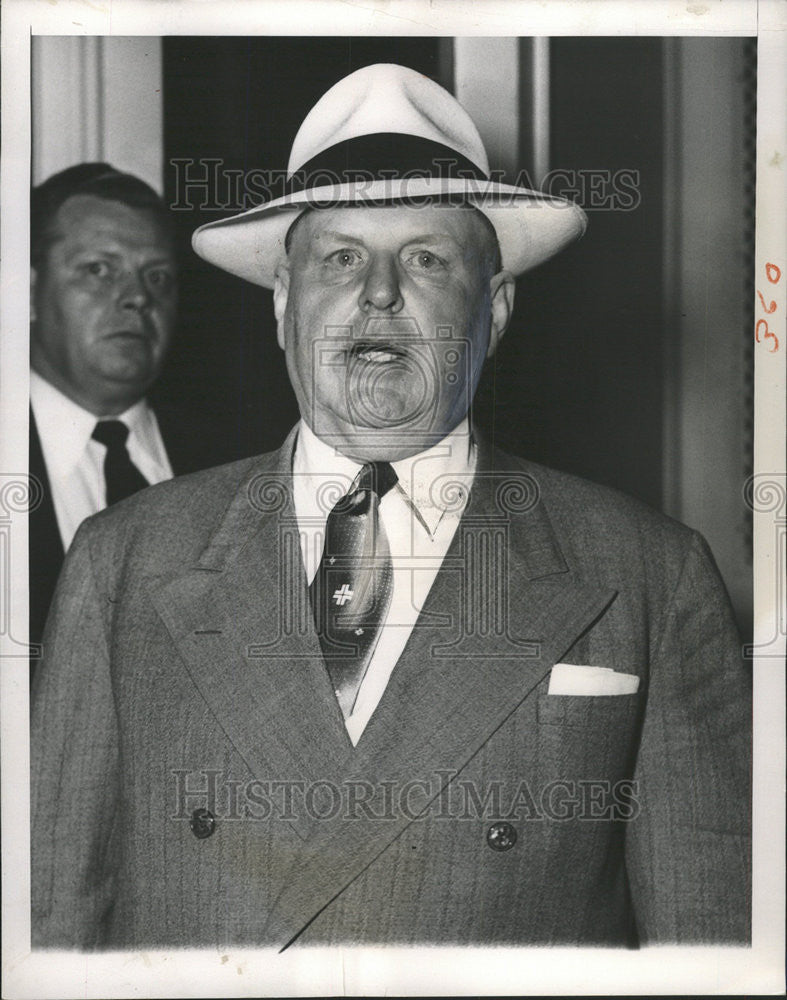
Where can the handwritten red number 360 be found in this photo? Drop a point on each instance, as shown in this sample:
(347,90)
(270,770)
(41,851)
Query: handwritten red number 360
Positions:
(773,274)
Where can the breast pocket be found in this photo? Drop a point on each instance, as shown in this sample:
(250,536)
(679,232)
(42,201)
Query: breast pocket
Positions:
(588,737)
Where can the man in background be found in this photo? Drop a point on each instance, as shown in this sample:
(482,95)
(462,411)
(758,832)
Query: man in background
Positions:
(103,300)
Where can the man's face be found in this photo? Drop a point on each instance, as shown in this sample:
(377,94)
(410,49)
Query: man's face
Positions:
(103,303)
(386,316)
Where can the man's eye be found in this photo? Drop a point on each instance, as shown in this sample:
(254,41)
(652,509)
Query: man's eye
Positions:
(425,260)
(161,280)
(98,268)
(345,258)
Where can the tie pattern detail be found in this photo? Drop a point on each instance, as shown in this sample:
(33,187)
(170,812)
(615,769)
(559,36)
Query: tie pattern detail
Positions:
(122,477)
(351,591)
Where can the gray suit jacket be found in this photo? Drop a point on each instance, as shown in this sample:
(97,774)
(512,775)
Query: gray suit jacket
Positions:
(193,782)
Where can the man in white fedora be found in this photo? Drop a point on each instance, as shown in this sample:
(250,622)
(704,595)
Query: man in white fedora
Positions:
(388,684)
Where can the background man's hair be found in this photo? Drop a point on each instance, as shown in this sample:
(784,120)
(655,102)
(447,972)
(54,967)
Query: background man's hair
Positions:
(99,179)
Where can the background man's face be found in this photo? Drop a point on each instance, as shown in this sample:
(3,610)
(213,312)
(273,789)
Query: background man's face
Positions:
(103,303)
(385,315)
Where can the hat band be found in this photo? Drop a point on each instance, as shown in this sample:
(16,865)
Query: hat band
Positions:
(382,156)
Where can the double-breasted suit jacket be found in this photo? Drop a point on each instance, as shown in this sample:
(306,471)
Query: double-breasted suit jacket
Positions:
(194,784)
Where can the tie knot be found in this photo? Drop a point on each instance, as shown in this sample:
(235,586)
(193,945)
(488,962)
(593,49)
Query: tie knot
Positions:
(379,477)
(112,434)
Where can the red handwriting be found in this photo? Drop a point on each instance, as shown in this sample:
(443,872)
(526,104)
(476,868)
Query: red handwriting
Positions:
(773,274)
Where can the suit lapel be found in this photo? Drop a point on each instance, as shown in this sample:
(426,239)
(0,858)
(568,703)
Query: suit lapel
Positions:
(503,609)
(242,624)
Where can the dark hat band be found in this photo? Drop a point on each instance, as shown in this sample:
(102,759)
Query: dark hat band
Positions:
(382,156)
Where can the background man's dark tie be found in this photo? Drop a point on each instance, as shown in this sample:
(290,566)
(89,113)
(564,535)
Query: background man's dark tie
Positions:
(122,477)
(351,591)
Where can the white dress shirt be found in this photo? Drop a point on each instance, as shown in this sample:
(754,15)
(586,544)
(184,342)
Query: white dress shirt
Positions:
(420,515)
(75,462)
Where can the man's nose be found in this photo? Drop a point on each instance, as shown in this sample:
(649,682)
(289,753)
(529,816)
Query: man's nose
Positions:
(381,289)
(134,292)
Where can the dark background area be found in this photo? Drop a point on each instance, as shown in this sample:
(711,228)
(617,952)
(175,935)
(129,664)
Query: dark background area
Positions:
(577,382)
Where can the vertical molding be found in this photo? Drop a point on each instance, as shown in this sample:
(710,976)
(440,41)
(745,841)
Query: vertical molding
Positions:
(486,84)
(749,82)
(90,70)
(37,131)
(445,63)
(132,105)
(540,109)
(705,225)
(98,98)
(673,176)
(535,118)
(67,105)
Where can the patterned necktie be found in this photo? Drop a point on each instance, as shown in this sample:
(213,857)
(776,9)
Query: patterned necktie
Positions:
(121,475)
(351,591)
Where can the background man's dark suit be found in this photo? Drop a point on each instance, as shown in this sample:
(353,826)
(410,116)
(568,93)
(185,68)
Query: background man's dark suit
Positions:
(191,444)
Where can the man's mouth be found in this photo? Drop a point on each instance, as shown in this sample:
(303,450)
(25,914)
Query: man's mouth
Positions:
(377,353)
(130,334)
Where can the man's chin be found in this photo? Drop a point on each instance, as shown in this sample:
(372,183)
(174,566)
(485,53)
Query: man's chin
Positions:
(386,443)
(131,366)
(124,384)
(391,416)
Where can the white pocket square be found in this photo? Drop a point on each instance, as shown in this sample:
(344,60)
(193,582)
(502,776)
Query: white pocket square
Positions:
(571,678)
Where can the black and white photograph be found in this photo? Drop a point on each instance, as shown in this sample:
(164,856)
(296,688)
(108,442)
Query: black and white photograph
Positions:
(393,500)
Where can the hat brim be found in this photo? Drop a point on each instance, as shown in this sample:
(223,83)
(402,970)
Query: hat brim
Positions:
(531,227)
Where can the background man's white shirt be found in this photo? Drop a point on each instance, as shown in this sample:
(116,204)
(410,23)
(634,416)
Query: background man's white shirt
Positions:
(420,515)
(75,462)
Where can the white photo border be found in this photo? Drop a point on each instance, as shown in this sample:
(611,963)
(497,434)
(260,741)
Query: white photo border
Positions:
(389,970)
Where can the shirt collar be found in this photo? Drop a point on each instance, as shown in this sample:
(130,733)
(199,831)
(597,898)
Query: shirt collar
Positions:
(428,481)
(430,478)
(65,428)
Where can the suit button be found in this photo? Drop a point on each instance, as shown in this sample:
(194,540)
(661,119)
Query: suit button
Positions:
(501,836)
(202,823)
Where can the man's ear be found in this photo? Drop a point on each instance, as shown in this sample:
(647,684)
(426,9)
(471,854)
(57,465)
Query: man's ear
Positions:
(501,289)
(33,280)
(281,291)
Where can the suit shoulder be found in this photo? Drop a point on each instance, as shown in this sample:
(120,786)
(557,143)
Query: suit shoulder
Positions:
(604,502)
(171,521)
(213,486)
(589,510)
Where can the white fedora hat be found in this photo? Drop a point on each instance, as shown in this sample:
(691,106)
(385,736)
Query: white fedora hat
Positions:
(389,134)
